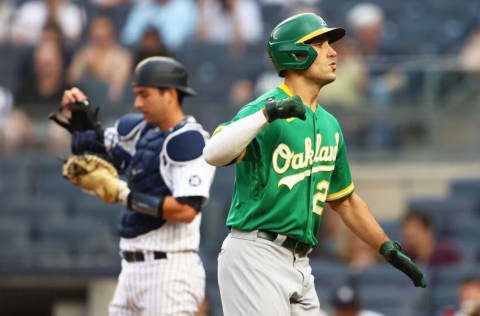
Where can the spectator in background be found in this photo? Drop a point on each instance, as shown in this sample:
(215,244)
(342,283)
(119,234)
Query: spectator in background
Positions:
(42,75)
(468,294)
(6,13)
(102,67)
(350,88)
(469,57)
(109,3)
(337,242)
(6,105)
(150,45)
(16,129)
(420,243)
(346,301)
(235,22)
(356,253)
(174,20)
(469,61)
(31,17)
(118,10)
(366,20)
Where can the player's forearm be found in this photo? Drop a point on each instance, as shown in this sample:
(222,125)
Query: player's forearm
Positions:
(173,210)
(360,220)
(229,143)
(165,207)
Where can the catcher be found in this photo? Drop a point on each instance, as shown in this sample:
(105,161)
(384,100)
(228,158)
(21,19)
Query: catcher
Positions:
(160,152)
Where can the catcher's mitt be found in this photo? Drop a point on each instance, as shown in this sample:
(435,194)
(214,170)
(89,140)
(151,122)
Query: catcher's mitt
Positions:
(95,175)
(78,117)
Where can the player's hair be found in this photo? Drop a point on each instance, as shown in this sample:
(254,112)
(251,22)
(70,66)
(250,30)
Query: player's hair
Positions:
(180,94)
(473,278)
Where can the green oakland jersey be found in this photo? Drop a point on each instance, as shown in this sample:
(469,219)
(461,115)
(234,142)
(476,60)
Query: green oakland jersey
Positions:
(288,172)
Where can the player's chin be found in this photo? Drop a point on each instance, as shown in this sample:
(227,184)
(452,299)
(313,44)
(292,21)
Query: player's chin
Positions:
(147,118)
(328,79)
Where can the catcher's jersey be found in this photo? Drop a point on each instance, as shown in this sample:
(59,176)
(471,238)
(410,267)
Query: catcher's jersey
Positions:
(288,172)
(160,163)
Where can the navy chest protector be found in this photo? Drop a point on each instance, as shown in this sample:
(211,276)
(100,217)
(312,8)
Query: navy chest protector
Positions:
(144,176)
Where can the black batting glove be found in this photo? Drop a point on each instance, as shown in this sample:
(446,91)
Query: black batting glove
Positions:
(392,251)
(286,108)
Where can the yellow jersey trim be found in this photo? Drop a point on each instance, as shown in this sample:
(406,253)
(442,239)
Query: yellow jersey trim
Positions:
(340,194)
(218,129)
(241,156)
(286,89)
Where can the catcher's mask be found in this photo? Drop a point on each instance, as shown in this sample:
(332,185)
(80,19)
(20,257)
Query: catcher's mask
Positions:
(162,72)
(288,39)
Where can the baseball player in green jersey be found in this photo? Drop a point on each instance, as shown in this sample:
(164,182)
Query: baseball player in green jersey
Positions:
(290,160)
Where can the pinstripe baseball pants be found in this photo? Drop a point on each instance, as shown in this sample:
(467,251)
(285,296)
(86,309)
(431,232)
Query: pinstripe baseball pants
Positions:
(172,286)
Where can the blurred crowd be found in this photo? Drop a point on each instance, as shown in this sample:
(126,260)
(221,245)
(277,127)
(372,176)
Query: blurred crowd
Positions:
(48,45)
(423,240)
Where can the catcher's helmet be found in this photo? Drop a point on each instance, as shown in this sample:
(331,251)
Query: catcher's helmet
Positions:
(288,39)
(162,72)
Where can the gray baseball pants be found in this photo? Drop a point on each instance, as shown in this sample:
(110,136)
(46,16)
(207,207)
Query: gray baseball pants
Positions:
(259,277)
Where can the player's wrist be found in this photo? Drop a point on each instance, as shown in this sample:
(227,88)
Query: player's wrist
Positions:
(271,110)
(265,115)
(388,246)
(146,204)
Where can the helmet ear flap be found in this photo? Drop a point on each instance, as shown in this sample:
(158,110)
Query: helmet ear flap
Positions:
(294,56)
(285,56)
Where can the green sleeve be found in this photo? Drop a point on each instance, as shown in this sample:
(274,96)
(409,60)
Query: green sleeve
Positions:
(341,184)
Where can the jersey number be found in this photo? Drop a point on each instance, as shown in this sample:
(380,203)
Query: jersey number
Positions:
(320,197)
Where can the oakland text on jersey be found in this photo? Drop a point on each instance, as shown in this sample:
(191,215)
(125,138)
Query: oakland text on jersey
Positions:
(284,158)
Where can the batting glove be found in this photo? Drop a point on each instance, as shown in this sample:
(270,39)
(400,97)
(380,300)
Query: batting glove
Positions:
(392,251)
(286,108)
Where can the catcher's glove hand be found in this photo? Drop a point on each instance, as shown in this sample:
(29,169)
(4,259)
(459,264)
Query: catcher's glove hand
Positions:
(78,117)
(286,108)
(97,176)
(392,251)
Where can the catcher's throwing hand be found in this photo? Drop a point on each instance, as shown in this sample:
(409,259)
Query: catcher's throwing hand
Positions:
(96,175)
(73,95)
(76,114)
(392,251)
(286,108)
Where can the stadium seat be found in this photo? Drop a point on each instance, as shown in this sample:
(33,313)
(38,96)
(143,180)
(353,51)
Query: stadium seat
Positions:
(14,239)
(93,207)
(382,273)
(388,299)
(34,208)
(465,188)
(443,211)
(466,228)
(14,177)
(79,237)
(47,179)
(329,272)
